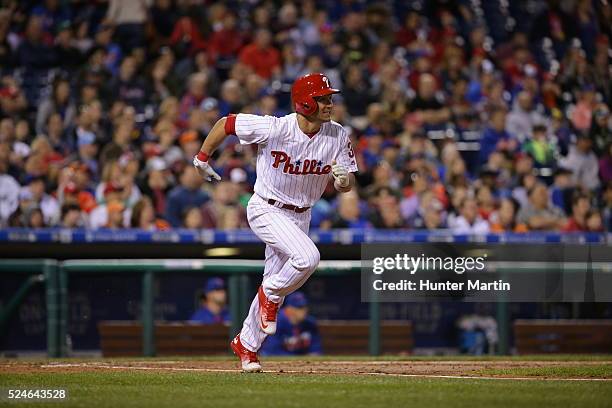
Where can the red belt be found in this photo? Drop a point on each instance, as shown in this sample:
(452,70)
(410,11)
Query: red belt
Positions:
(288,206)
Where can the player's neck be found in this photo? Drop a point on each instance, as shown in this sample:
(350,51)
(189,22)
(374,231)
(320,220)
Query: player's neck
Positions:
(310,126)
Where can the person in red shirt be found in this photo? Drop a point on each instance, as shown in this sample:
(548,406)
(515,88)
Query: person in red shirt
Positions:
(261,55)
(226,42)
(581,205)
(186,38)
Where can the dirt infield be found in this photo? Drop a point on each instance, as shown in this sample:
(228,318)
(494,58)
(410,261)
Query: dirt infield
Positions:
(495,369)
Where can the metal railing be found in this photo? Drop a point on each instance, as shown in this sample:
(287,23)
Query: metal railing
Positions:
(36,271)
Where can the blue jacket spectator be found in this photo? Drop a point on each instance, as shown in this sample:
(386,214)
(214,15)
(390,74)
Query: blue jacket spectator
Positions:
(33,52)
(185,196)
(296,331)
(213,308)
(495,137)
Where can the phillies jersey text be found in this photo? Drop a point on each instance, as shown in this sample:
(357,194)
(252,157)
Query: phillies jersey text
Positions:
(292,167)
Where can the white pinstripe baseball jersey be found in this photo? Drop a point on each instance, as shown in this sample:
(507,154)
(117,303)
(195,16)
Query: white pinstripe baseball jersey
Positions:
(292,167)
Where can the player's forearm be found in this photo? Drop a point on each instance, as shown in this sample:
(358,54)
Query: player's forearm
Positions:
(215,137)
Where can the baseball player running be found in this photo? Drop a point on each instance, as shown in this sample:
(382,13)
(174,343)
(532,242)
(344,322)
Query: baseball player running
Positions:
(297,155)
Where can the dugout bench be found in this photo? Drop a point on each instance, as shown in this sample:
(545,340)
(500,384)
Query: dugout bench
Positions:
(574,336)
(338,337)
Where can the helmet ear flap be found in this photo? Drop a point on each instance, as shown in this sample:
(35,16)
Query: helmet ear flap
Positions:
(305,108)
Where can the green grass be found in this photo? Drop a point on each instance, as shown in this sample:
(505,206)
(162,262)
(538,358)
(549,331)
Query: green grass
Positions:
(118,389)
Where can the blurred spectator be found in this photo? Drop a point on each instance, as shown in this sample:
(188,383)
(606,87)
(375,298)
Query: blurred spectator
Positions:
(187,194)
(157,184)
(427,106)
(100,215)
(349,213)
(12,97)
(71,217)
(143,216)
(226,41)
(32,217)
(495,137)
(129,18)
(562,188)
(115,215)
(582,114)
(485,201)
(583,162)
(35,191)
(9,188)
(212,308)
(357,93)
(539,213)
(128,86)
(581,206)
(600,131)
(607,207)
(605,165)
(540,148)
(186,37)
(387,212)
(224,200)
(523,117)
(196,92)
(163,16)
(69,57)
(35,52)
(504,219)
(296,332)
(261,56)
(192,218)
(60,102)
(594,221)
(56,134)
(469,221)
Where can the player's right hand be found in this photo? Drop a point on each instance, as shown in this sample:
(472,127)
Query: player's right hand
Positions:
(205,170)
(340,174)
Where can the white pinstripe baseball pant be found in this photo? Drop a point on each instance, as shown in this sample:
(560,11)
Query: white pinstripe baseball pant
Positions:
(291,257)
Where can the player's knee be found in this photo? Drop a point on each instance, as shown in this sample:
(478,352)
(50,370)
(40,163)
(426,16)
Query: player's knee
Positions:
(308,260)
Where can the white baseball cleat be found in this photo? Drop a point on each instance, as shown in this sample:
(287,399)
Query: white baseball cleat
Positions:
(267,313)
(248,359)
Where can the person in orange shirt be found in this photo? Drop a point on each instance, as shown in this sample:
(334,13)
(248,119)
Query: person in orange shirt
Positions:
(261,55)
(504,219)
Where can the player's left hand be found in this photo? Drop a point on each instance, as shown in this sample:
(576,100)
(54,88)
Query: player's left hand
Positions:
(205,170)
(340,173)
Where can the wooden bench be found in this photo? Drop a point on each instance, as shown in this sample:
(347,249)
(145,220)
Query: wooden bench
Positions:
(124,338)
(535,336)
(350,337)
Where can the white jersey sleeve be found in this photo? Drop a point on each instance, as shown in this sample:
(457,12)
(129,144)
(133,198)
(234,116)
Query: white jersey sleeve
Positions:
(346,154)
(253,129)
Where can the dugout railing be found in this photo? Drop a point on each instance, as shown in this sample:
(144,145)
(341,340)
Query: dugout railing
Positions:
(38,271)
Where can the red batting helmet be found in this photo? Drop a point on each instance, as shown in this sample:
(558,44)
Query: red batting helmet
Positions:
(306,88)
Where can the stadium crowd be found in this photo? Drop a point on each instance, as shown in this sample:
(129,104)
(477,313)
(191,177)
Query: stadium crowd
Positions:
(465,115)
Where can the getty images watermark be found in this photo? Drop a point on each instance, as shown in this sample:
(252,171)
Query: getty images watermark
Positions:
(487,272)
(412,265)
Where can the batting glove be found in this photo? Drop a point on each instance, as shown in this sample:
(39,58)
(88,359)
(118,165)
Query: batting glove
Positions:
(200,162)
(340,173)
